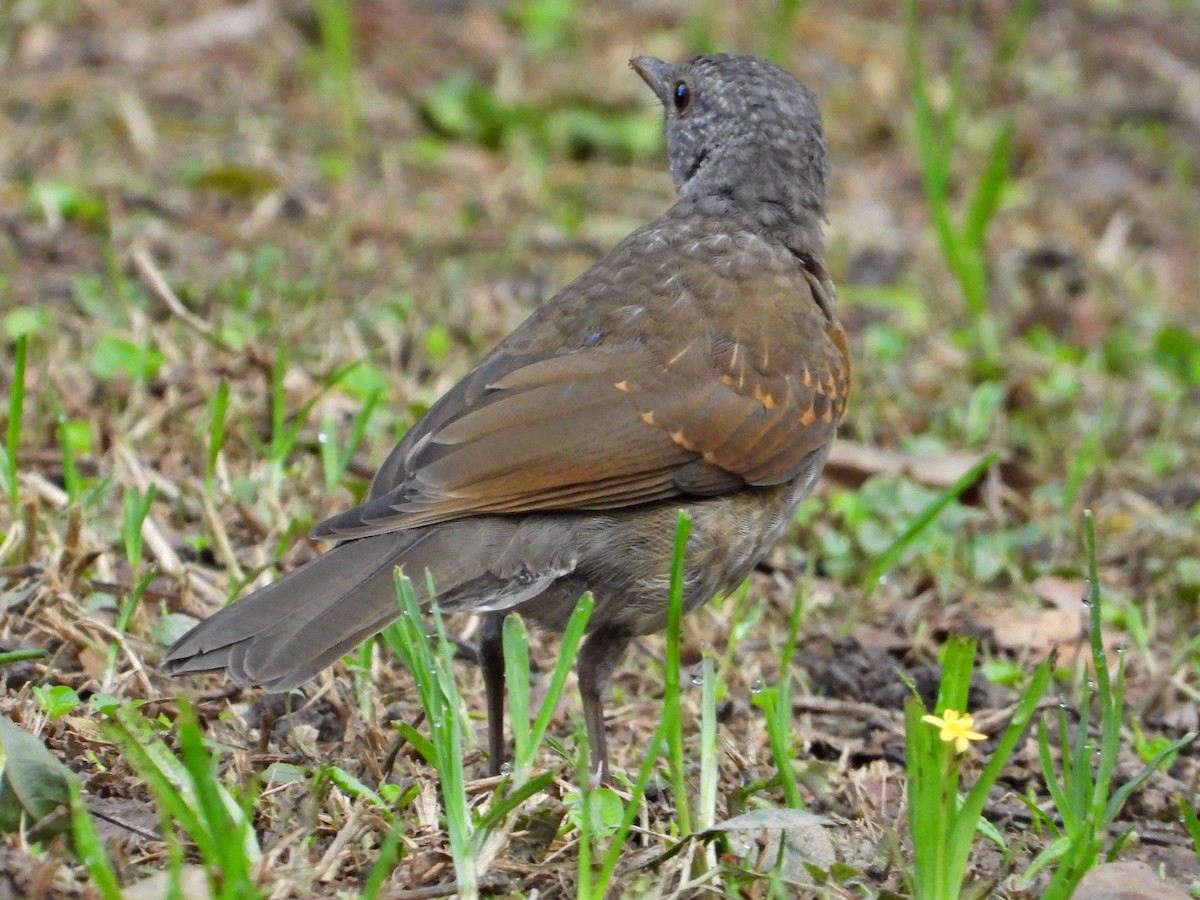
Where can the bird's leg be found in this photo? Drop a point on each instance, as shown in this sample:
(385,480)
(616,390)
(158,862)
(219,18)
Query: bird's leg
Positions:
(491,660)
(595,663)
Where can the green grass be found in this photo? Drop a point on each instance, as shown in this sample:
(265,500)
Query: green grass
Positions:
(938,133)
(12,433)
(1081,783)
(337,66)
(942,821)
(91,850)
(776,703)
(672,717)
(593,885)
(1191,822)
(432,668)
(336,456)
(529,741)
(895,551)
(189,797)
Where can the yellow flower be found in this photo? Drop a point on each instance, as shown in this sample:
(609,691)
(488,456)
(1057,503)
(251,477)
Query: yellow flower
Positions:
(956,727)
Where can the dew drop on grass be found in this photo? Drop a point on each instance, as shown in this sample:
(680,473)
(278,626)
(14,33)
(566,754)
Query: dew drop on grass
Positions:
(1087,593)
(697,674)
(506,768)
(757,687)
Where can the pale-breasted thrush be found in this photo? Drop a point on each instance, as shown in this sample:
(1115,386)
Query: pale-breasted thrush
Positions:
(698,366)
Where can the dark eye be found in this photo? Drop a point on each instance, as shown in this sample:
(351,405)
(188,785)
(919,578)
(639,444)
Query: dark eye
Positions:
(683,96)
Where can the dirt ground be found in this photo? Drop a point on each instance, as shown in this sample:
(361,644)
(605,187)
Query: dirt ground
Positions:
(185,189)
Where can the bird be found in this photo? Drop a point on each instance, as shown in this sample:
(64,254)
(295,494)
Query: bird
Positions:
(698,366)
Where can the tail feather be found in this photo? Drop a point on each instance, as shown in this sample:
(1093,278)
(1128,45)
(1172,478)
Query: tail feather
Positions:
(299,646)
(280,636)
(283,634)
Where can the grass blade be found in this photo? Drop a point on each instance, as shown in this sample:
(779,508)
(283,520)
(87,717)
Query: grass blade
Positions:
(672,696)
(12,436)
(90,850)
(572,636)
(892,555)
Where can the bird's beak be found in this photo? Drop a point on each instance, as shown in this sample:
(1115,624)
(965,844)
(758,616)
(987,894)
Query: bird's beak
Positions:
(657,74)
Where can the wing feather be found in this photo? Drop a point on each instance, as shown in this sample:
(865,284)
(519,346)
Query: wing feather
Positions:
(665,409)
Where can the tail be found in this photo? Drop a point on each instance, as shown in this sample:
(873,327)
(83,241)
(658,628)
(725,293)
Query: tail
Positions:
(283,634)
(287,632)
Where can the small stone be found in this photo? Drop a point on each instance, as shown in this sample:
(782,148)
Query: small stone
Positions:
(755,838)
(1125,881)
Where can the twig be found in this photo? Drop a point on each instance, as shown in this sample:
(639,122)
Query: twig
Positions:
(224,547)
(848,708)
(154,280)
(112,634)
(447,888)
(45,489)
(327,868)
(132,829)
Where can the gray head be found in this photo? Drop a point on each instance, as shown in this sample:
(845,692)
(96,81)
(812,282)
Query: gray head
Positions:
(745,128)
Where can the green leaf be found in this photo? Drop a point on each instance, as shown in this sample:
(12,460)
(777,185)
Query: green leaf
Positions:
(364,381)
(355,788)
(66,201)
(604,807)
(26,320)
(115,356)
(33,783)
(233,180)
(56,700)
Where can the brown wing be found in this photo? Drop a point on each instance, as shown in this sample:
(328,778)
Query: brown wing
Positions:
(595,406)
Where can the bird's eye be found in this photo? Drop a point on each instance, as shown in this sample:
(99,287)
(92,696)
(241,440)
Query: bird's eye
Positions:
(683,96)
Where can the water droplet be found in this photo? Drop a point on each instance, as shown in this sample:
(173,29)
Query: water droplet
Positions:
(1087,593)
(1091,685)
(698,674)
(322,437)
(1121,649)
(757,687)
(883,581)
(506,768)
